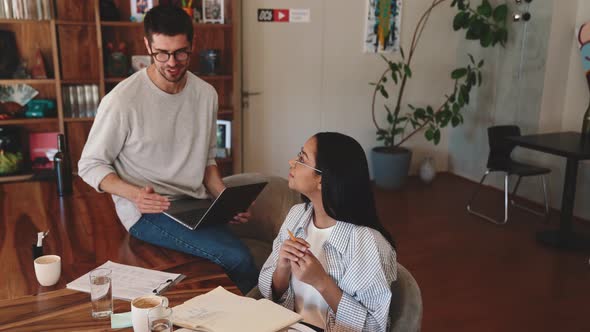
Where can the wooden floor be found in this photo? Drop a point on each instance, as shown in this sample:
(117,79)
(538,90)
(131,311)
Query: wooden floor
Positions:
(474,276)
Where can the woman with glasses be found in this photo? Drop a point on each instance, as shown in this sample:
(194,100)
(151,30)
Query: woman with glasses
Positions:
(332,261)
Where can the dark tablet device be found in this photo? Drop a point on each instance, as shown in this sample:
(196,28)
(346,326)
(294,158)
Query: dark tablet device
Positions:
(192,212)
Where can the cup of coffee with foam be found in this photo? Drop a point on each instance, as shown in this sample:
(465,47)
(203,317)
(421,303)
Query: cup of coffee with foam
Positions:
(140,307)
(48,269)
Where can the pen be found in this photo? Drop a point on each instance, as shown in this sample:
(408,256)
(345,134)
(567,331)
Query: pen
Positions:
(293,238)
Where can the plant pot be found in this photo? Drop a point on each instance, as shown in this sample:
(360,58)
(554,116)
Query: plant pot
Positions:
(390,166)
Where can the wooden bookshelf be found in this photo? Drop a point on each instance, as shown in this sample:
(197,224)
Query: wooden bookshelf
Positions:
(16,178)
(78,119)
(72,46)
(30,81)
(11,122)
(19,21)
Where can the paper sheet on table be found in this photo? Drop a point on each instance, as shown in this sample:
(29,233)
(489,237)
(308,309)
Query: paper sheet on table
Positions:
(129,281)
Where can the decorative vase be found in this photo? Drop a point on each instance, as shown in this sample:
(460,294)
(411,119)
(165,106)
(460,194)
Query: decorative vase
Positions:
(209,59)
(427,170)
(390,166)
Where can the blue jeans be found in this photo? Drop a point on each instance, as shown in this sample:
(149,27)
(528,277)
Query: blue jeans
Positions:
(215,243)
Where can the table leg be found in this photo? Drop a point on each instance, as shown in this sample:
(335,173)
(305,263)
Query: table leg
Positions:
(564,237)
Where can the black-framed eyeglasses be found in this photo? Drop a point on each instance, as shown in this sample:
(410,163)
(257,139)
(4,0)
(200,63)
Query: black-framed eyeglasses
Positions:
(299,160)
(179,55)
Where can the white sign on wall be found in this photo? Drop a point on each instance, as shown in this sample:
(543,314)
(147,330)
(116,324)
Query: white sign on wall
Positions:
(284,15)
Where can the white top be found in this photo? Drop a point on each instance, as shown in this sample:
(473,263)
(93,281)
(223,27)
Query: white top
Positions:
(309,303)
(150,137)
(359,259)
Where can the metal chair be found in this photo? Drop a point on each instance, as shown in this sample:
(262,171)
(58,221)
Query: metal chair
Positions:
(499,161)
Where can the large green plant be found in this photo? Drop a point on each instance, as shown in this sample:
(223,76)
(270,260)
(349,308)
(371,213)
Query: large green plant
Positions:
(487,24)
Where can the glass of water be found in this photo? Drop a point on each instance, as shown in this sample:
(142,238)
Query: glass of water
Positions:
(101,293)
(160,319)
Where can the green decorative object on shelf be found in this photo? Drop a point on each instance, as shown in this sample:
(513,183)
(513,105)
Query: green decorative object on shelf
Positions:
(10,163)
(11,157)
(117,61)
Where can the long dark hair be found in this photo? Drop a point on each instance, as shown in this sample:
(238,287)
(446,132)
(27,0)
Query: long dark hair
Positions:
(347,194)
(169,21)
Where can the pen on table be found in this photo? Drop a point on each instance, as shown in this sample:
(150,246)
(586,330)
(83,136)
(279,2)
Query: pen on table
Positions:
(162,286)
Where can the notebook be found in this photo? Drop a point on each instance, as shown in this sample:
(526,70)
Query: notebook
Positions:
(192,212)
(222,311)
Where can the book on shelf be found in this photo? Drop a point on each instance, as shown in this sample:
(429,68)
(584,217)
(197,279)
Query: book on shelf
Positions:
(222,311)
(80,101)
(26,9)
(42,149)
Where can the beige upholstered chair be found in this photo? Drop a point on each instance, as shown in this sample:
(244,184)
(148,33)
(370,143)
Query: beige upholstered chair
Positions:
(268,214)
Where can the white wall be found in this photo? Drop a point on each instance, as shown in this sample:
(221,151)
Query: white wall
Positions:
(347,71)
(562,104)
(575,101)
(344,92)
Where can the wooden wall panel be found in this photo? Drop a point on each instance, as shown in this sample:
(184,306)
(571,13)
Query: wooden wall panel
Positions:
(77,10)
(76,135)
(78,52)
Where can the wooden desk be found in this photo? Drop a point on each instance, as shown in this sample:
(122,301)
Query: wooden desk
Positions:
(574,148)
(85,232)
(69,310)
(83,229)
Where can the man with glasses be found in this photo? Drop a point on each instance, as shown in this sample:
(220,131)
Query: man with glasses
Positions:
(154,140)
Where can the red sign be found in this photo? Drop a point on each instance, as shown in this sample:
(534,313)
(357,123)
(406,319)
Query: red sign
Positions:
(281,15)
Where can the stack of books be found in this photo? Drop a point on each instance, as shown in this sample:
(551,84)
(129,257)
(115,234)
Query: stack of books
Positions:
(80,101)
(26,9)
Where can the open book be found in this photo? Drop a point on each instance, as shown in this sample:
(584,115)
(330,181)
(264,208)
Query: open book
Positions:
(222,311)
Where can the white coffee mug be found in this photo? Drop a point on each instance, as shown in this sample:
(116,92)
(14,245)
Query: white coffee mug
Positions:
(140,306)
(48,269)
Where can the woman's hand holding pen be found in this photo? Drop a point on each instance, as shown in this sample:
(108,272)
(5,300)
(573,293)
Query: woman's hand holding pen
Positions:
(292,250)
(303,263)
(309,270)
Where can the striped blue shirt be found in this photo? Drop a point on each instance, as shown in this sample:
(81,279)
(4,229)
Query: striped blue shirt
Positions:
(361,262)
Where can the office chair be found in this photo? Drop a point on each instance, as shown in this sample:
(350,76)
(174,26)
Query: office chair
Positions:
(499,161)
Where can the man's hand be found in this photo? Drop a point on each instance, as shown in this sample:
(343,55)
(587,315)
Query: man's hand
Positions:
(147,201)
(242,217)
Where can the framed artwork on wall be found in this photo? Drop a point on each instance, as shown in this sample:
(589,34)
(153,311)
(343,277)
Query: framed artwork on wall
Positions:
(382,26)
(223,138)
(139,8)
(213,11)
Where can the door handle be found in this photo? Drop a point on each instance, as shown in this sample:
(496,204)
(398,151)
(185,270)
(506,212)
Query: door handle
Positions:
(246,97)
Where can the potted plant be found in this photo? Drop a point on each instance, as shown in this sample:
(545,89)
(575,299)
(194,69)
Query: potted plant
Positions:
(391,162)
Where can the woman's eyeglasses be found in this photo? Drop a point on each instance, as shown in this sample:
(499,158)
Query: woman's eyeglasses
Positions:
(299,160)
